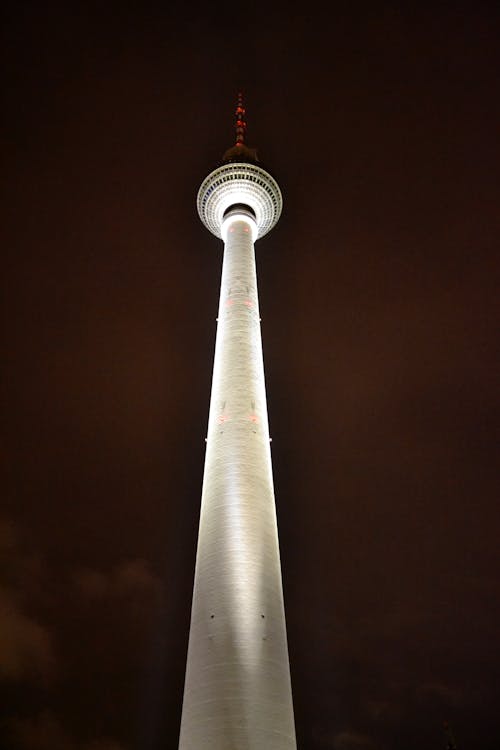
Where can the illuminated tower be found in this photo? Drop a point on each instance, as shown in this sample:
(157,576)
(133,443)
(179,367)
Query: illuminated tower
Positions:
(237,693)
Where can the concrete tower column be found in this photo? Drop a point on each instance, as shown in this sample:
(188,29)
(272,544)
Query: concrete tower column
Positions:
(237,693)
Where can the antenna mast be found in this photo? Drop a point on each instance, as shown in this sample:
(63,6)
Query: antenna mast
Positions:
(241,124)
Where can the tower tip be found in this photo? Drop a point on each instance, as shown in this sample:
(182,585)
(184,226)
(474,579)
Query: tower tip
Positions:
(240,152)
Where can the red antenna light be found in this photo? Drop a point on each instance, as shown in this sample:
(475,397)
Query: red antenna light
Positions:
(241,124)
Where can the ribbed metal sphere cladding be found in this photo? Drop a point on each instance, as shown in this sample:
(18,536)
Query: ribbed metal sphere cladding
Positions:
(239,183)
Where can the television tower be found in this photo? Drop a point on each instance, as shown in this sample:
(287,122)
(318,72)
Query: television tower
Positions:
(237,693)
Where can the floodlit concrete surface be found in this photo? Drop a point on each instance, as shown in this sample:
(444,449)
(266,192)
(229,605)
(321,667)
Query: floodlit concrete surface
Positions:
(237,693)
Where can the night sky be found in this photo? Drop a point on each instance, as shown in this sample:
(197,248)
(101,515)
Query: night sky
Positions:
(377,293)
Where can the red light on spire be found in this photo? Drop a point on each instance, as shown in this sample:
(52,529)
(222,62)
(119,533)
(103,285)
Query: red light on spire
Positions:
(241,124)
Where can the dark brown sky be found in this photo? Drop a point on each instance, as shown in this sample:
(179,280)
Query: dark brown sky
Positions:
(377,294)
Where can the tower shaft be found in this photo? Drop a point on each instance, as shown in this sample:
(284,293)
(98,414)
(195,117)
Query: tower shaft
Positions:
(237,693)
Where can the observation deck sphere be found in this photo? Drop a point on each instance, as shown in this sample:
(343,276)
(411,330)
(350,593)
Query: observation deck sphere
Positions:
(239,183)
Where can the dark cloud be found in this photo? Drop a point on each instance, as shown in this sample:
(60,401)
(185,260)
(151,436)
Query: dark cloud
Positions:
(26,645)
(45,732)
(103,744)
(129,578)
(349,740)
(26,650)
